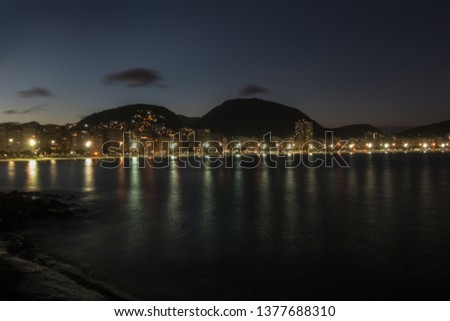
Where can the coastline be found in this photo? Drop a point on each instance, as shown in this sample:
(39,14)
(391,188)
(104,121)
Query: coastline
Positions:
(26,272)
(355,152)
(29,274)
(20,159)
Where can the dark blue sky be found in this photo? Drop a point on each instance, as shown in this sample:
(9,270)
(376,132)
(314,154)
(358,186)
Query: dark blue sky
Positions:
(341,62)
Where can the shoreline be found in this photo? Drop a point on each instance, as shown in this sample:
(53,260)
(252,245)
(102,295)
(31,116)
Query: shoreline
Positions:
(358,152)
(27,272)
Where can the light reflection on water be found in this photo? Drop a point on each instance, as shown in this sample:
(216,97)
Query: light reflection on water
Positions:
(11,172)
(88,176)
(264,233)
(135,190)
(206,221)
(33,175)
(174,211)
(53,172)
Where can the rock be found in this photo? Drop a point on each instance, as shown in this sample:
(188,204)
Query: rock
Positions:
(17,207)
(26,273)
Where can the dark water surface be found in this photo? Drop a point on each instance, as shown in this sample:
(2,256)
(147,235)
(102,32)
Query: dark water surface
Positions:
(377,230)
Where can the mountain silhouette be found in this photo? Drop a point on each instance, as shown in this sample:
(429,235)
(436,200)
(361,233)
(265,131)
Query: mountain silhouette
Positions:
(128,112)
(254,117)
(354,131)
(440,129)
(237,117)
(187,121)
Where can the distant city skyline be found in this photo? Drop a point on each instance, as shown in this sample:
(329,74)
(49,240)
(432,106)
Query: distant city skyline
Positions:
(383,63)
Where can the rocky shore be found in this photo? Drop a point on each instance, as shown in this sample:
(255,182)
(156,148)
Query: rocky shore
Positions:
(27,273)
(18,208)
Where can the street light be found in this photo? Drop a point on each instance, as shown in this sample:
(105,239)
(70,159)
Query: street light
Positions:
(32,142)
(88,144)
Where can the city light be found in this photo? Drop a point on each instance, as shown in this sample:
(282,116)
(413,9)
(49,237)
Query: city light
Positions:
(53,144)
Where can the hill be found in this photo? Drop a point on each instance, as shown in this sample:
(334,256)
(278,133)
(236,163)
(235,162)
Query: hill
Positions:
(131,114)
(393,129)
(253,117)
(236,117)
(354,131)
(187,121)
(433,130)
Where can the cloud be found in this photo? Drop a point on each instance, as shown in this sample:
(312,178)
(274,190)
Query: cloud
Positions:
(252,90)
(137,77)
(35,92)
(26,111)
(34,109)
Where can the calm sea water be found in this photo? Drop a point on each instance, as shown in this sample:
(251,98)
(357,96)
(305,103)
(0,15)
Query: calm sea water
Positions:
(379,229)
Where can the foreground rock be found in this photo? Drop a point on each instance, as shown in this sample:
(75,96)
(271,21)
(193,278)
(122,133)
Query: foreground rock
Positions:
(16,208)
(28,274)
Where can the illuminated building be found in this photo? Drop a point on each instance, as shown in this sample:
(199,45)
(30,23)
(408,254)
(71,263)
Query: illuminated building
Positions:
(303,131)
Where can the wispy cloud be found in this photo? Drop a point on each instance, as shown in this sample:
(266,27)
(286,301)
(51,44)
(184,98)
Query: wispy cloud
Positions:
(252,89)
(27,111)
(137,77)
(35,92)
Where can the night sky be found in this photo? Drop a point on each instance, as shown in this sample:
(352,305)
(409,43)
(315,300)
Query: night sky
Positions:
(340,62)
